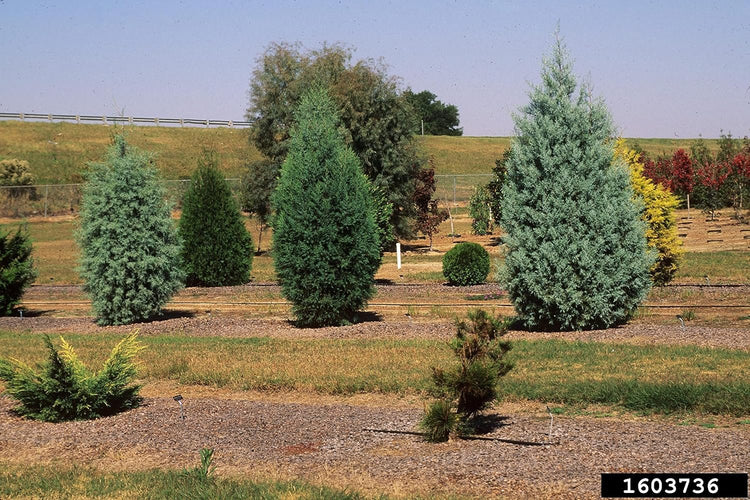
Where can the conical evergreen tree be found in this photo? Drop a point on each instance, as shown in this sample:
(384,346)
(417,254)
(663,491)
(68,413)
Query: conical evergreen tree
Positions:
(217,249)
(129,247)
(326,248)
(577,255)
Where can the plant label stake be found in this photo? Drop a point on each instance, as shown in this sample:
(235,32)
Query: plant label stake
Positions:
(551,419)
(178,398)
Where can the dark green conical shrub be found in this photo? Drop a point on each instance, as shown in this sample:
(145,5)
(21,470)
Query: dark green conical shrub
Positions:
(466,263)
(16,268)
(326,248)
(130,253)
(217,249)
(576,247)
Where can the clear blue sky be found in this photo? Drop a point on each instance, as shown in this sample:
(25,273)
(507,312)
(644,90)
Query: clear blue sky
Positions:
(664,68)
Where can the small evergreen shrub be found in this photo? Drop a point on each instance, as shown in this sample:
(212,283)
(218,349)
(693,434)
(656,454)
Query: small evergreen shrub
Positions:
(326,247)
(66,390)
(217,249)
(130,253)
(470,387)
(16,268)
(15,173)
(480,211)
(466,263)
(440,421)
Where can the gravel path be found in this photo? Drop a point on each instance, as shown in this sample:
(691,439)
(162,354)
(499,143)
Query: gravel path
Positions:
(229,326)
(376,448)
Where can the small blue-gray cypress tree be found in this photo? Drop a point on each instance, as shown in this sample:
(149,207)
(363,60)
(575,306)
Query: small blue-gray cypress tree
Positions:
(325,243)
(577,255)
(129,247)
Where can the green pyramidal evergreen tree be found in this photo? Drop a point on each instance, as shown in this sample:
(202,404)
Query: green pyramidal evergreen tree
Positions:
(576,249)
(326,248)
(129,247)
(217,250)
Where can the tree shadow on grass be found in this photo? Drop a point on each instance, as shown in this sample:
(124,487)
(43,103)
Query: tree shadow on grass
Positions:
(168,314)
(360,317)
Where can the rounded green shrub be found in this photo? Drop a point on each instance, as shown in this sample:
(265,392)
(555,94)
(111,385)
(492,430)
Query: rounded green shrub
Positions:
(130,253)
(325,243)
(217,249)
(466,264)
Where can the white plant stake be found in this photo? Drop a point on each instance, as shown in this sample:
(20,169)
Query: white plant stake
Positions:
(551,419)
(682,323)
(398,255)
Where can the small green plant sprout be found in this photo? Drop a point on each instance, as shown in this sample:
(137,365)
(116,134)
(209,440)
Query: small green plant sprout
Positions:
(688,315)
(469,387)
(66,390)
(205,471)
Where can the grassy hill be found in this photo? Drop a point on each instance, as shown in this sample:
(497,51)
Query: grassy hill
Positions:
(59,152)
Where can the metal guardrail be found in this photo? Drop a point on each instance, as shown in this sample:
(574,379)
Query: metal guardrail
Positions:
(130,120)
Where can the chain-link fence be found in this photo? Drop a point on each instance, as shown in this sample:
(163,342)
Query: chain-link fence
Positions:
(64,199)
(457,189)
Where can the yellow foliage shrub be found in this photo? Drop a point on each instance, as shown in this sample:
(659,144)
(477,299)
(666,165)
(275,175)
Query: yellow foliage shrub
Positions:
(658,214)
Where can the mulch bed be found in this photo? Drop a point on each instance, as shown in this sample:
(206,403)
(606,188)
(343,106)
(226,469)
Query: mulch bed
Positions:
(376,449)
(737,337)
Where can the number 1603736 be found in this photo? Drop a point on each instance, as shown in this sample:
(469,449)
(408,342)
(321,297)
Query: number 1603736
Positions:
(674,485)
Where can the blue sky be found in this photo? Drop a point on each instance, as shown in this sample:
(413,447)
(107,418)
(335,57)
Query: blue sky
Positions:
(664,68)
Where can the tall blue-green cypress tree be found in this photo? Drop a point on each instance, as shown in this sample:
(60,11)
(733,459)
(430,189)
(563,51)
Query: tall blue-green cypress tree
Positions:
(576,248)
(325,243)
(130,253)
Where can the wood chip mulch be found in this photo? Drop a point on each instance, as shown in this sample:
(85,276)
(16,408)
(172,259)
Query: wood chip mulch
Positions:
(731,337)
(376,449)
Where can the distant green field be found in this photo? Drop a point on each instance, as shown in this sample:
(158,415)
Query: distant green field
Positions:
(58,152)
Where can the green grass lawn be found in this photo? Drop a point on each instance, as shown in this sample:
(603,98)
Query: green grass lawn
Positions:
(80,482)
(59,152)
(727,266)
(649,379)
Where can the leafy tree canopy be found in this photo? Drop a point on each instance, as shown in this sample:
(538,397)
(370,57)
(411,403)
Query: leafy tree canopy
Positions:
(375,119)
(438,118)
